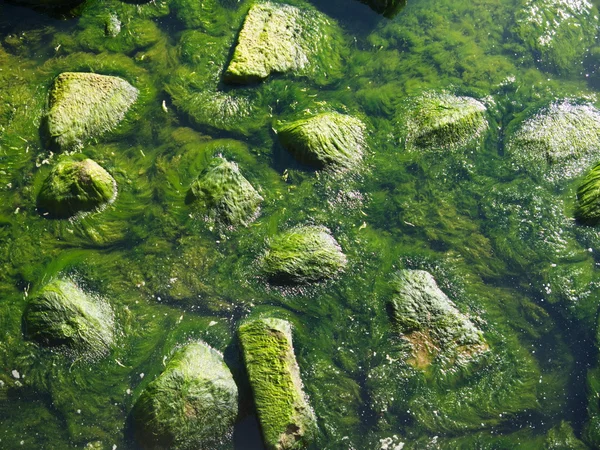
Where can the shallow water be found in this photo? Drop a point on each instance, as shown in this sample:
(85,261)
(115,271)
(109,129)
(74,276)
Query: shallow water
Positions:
(495,231)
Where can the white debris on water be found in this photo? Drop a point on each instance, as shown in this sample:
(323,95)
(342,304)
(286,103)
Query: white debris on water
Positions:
(16,374)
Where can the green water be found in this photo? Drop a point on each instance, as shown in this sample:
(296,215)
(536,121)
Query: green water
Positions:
(497,236)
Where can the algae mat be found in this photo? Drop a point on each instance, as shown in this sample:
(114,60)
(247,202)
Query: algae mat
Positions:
(476,166)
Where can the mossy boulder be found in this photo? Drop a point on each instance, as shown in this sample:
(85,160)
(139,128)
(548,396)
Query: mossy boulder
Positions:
(287,420)
(430,322)
(444,121)
(280,38)
(229,197)
(64,316)
(85,105)
(389,8)
(560,140)
(75,186)
(588,198)
(193,404)
(329,140)
(302,255)
(558,32)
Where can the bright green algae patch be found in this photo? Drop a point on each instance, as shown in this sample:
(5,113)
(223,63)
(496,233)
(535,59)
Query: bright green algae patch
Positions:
(63,315)
(303,255)
(559,141)
(430,322)
(287,420)
(86,105)
(329,140)
(444,121)
(588,198)
(280,38)
(229,197)
(75,186)
(191,405)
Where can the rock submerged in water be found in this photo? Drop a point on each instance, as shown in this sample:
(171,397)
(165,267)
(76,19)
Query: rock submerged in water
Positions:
(444,121)
(389,8)
(63,315)
(229,196)
(280,38)
(558,32)
(303,255)
(560,141)
(588,198)
(75,186)
(329,140)
(287,420)
(85,105)
(193,404)
(430,322)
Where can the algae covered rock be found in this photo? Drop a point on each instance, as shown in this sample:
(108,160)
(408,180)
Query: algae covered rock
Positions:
(64,316)
(75,186)
(85,105)
(328,140)
(279,38)
(430,322)
(444,121)
(588,198)
(559,140)
(302,255)
(226,193)
(191,405)
(287,420)
(562,437)
(389,8)
(558,32)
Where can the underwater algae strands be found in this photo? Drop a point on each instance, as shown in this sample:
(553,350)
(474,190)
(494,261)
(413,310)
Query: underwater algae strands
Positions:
(84,105)
(287,420)
(192,405)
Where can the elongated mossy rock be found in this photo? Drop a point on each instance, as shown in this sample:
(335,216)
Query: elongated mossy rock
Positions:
(303,255)
(279,38)
(328,140)
(558,32)
(85,105)
(444,121)
(389,8)
(430,322)
(63,315)
(286,419)
(559,141)
(75,186)
(588,198)
(229,196)
(193,404)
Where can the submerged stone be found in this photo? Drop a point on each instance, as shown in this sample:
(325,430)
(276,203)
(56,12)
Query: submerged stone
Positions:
(287,420)
(328,140)
(560,140)
(558,32)
(75,186)
(193,404)
(85,105)
(226,193)
(63,315)
(562,437)
(389,8)
(303,255)
(588,198)
(445,121)
(279,38)
(430,322)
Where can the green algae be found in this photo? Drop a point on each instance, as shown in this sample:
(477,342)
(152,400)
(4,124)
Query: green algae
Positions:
(75,186)
(328,140)
(192,404)
(70,121)
(588,198)
(303,255)
(287,421)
